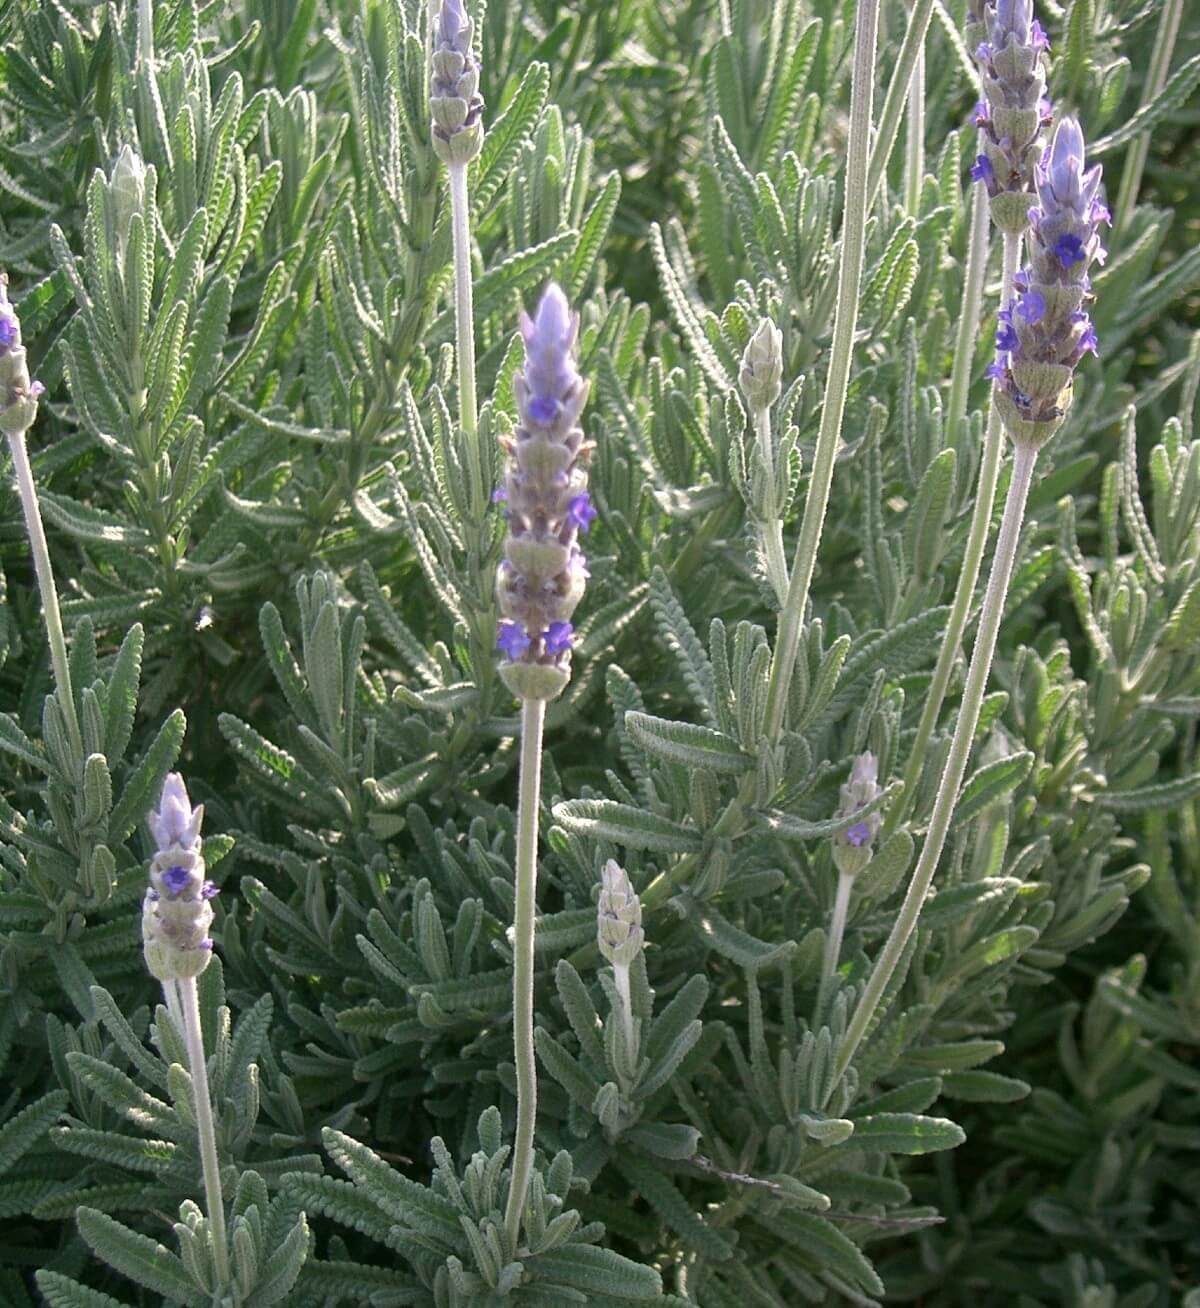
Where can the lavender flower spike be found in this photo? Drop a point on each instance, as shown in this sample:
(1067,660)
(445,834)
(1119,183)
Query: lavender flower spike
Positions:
(852,847)
(1008,43)
(1047,330)
(542,576)
(176,913)
(454,100)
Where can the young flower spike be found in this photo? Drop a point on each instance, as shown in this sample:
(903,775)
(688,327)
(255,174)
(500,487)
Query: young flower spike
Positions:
(454,100)
(852,846)
(619,917)
(1045,331)
(1008,43)
(18,395)
(176,913)
(542,576)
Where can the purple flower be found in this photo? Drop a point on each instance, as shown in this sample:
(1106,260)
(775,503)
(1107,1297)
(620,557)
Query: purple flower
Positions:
(580,512)
(8,329)
(542,577)
(176,879)
(859,834)
(980,116)
(499,495)
(36,389)
(1068,249)
(512,640)
(557,639)
(995,371)
(543,409)
(1006,338)
(1031,307)
(209,891)
(1038,38)
(982,170)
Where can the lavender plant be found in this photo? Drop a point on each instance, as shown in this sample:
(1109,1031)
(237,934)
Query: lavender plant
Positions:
(636,949)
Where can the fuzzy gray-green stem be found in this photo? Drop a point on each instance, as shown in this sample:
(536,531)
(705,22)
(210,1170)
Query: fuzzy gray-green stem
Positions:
(897,95)
(854,221)
(533,715)
(621,980)
(1024,462)
(1156,79)
(27,491)
(194,1040)
(914,143)
(464,324)
(837,926)
(772,529)
(968,315)
(981,518)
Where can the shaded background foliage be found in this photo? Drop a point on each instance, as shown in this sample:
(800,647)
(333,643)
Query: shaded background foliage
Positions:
(282,519)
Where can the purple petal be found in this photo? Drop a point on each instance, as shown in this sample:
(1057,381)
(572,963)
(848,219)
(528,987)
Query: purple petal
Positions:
(512,640)
(557,639)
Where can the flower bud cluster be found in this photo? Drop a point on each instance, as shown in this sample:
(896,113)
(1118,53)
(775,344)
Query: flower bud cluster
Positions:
(619,917)
(454,100)
(852,846)
(1045,331)
(1009,44)
(543,573)
(176,913)
(18,395)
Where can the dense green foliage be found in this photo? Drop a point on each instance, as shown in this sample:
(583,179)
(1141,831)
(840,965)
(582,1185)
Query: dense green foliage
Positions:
(274,579)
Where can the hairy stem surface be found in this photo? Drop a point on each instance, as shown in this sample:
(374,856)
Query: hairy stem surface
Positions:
(190,1003)
(1024,461)
(1139,149)
(772,529)
(981,517)
(464,324)
(23,472)
(854,220)
(533,715)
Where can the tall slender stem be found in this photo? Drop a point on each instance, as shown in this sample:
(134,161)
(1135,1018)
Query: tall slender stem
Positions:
(772,528)
(204,1127)
(1024,461)
(854,221)
(968,314)
(621,980)
(981,518)
(914,152)
(837,926)
(897,94)
(1156,79)
(533,716)
(464,322)
(27,491)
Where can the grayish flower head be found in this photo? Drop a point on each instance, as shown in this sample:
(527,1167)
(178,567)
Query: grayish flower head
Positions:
(852,846)
(455,104)
(1046,330)
(619,917)
(761,373)
(176,912)
(18,394)
(543,573)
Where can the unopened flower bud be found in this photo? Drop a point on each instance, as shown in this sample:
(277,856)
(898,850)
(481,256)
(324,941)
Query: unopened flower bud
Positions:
(619,917)
(127,191)
(852,846)
(176,913)
(761,373)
